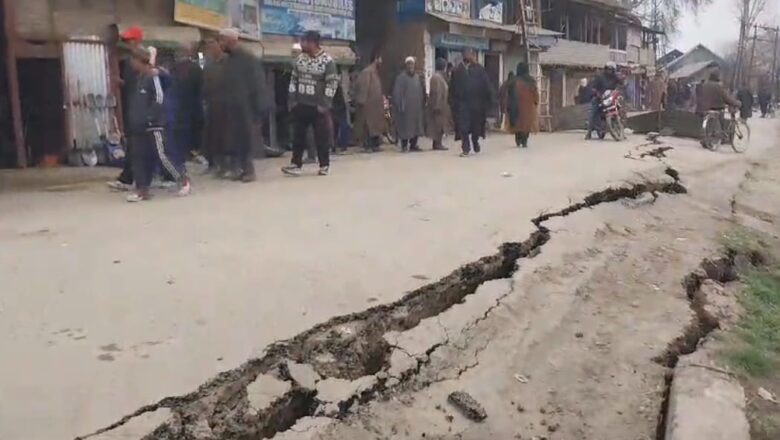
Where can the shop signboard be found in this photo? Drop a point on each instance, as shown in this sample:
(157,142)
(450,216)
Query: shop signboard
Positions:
(243,15)
(459,8)
(334,19)
(210,14)
(455,41)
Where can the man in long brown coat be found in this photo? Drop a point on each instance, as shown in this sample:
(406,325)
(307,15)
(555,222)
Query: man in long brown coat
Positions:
(370,122)
(438,106)
(657,92)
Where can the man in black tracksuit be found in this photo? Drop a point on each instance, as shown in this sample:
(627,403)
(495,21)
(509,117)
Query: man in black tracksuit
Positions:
(313,86)
(145,129)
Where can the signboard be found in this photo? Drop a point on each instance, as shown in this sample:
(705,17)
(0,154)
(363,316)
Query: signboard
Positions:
(493,10)
(243,15)
(334,19)
(460,8)
(455,41)
(210,14)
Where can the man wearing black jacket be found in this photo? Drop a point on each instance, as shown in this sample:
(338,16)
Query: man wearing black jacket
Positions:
(145,129)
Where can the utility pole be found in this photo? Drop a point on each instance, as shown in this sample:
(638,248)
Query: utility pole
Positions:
(749,72)
(774,63)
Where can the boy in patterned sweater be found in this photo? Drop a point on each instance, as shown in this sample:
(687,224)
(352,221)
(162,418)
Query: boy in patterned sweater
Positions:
(313,85)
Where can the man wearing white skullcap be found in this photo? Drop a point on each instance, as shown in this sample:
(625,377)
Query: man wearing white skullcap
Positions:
(246,101)
(409,106)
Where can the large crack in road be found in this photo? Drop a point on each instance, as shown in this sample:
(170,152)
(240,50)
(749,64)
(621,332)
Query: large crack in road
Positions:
(353,346)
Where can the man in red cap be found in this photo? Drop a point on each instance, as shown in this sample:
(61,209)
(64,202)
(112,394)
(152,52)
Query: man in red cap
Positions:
(132,38)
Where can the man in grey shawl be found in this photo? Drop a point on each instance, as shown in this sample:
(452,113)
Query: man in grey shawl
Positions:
(409,106)
(438,106)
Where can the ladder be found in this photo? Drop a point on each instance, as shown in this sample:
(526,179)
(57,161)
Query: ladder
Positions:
(545,118)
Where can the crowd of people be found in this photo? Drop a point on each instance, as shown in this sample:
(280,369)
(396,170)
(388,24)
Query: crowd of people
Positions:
(179,106)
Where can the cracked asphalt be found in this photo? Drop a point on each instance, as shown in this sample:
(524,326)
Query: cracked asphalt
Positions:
(109,307)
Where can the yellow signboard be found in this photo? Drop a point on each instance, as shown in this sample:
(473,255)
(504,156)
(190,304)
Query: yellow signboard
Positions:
(210,14)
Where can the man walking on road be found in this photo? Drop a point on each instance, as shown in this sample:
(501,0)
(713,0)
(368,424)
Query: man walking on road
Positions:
(370,122)
(214,97)
(146,130)
(245,104)
(131,39)
(313,85)
(471,99)
(438,106)
(409,104)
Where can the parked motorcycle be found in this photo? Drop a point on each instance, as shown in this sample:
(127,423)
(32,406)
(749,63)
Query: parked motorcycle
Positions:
(611,116)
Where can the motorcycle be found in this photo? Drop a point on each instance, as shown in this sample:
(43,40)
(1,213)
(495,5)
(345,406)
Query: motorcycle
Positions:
(611,116)
(389,134)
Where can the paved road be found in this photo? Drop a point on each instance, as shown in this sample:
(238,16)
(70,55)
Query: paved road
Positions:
(109,306)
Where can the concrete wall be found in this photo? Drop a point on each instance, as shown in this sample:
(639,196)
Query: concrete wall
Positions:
(59,19)
(404,39)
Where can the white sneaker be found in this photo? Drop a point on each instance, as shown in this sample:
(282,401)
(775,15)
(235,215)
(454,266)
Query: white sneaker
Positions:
(119,186)
(136,198)
(185,189)
(324,171)
(292,170)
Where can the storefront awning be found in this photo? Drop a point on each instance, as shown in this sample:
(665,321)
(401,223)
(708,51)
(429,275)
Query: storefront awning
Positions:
(167,36)
(513,28)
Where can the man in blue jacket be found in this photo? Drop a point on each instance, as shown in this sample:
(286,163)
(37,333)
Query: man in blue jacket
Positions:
(145,130)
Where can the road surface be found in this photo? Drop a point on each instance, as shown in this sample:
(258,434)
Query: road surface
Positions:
(109,306)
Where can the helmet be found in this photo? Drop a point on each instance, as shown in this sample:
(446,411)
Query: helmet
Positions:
(611,65)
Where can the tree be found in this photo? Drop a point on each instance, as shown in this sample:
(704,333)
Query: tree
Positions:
(749,12)
(663,15)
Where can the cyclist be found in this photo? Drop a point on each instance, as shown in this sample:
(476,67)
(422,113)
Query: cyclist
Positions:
(607,80)
(715,97)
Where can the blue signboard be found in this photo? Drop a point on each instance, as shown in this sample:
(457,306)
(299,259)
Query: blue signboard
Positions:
(455,41)
(333,19)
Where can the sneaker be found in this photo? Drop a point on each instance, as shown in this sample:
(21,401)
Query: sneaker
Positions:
(136,197)
(292,170)
(164,184)
(248,178)
(119,186)
(185,189)
(465,154)
(324,171)
(415,149)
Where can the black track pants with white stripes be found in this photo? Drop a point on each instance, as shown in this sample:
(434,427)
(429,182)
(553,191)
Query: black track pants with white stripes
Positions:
(148,151)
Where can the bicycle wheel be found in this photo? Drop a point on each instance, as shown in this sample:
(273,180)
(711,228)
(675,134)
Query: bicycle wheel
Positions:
(710,134)
(740,140)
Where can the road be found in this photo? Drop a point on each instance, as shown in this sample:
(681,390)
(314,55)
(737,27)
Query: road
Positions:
(109,306)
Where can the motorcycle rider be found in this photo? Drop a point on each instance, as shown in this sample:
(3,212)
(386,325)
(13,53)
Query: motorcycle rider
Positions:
(607,80)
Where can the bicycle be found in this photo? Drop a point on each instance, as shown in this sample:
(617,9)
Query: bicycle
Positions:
(735,133)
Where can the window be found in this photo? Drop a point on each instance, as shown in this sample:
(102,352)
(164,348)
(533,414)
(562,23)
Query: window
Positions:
(619,38)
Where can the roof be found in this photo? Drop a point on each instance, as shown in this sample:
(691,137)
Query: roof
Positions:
(692,69)
(532,30)
(669,57)
(699,47)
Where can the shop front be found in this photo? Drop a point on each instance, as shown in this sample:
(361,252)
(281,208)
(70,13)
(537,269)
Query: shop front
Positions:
(283,21)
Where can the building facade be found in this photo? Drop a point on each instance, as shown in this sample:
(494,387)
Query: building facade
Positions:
(62,62)
(595,32)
